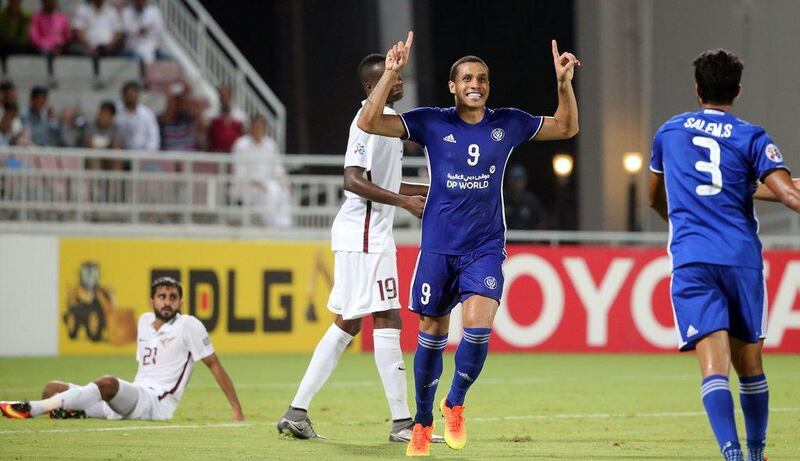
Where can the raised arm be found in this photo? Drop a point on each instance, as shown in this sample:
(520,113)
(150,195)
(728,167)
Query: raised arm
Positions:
(564,123)
(225,383)
(355,182)
(372,120)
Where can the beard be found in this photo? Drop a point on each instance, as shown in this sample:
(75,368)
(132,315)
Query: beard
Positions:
(163,317)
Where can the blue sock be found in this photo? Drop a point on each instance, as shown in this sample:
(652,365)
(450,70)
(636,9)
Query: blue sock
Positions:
(754,397)
(427,370)
(470,357)
(718,401)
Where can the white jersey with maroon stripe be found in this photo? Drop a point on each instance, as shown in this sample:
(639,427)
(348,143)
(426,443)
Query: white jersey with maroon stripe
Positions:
(361,224)
(166,357)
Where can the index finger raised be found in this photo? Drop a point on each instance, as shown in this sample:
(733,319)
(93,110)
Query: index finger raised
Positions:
(556,54)
(409,39)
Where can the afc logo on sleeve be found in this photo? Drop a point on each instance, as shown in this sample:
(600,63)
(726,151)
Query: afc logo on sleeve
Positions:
(360,149)
(773,153)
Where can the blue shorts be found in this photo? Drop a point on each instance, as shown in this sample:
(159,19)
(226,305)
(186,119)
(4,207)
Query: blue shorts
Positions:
(709,297)
(442,281)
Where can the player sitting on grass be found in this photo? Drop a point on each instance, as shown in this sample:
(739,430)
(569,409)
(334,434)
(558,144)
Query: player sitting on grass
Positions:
(168,345)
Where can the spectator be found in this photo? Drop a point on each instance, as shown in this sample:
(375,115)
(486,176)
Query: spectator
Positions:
(8,92)
(102,133)
(14,23)
(260,178)
(179,122)
(143,25)
(225,104)
(98,32)
(38,120)
(50,33)
(137,123)
(523,210)
(11,129)
(226,127)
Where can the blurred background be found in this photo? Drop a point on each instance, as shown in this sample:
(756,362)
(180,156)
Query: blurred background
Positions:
(224,122)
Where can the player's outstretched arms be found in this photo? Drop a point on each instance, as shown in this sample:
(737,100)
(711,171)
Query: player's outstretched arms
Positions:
(764,193)
(372,120)
(564,123)
(658,195)
(225,383)
(783,188)
(355,182)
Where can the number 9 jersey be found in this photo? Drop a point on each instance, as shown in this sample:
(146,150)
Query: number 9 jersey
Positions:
(711,162)
(466,163)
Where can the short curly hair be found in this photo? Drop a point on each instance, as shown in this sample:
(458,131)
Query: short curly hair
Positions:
(718,74)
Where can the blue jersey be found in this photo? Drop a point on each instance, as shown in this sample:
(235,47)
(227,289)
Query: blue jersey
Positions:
(711,161)
(466,163)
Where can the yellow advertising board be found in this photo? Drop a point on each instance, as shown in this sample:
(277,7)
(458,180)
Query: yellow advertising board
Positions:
(251,296)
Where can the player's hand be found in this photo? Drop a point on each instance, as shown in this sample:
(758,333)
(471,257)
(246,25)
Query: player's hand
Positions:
(565,64)
(415,205)
(397,56)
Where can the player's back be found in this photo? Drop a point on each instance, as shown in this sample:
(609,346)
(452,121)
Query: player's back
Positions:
(711,161)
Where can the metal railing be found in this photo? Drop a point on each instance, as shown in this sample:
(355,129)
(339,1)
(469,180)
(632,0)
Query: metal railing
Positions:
(56,191)
(193,193)
(220,61)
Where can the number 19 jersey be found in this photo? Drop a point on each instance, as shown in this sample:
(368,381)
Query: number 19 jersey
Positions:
(711,162)
(466,163)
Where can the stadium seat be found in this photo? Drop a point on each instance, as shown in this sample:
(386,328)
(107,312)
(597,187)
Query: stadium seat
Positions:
(159,75)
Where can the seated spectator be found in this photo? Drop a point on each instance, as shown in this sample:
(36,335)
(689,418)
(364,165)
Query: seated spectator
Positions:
(50,33)
(38,120)
(8,92)
(98,32)
(227,126)
(14,24)
(11,129)
(179,123)
(225,99)
(137,123)
(143,26)
(102,133)
(260,178)
(523,210)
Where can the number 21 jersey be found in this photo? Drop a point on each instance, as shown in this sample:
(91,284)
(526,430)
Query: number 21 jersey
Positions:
(711,161)
(466,163)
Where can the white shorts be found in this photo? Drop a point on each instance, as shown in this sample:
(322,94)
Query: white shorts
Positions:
(142,399)
(364,283)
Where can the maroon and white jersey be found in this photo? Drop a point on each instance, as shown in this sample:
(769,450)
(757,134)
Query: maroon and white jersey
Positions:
(363,225)
(166,357)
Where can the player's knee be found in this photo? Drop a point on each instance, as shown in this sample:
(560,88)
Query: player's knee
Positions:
(351,327)
(108,386)
(52,388)
(387,319)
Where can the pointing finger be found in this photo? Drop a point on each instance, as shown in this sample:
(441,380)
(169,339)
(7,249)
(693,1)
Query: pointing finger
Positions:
(555,49)
(410,39)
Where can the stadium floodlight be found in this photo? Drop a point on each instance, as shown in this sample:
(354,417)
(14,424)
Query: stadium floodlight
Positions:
(632,162)
(562,165)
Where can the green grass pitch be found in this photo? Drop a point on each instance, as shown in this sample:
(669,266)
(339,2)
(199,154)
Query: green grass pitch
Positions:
(524,406)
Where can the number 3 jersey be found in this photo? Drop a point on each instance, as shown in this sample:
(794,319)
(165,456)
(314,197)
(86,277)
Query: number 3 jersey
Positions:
(466,163)
(166,357)
(711,162)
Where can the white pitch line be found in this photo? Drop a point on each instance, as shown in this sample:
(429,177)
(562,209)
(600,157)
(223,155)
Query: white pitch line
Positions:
(128,428)
(672,414)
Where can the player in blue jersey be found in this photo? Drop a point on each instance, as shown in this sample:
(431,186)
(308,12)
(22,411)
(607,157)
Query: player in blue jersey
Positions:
(463,228)
(704,172)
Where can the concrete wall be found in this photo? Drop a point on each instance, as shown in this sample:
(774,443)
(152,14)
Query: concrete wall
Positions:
(28,295)
(637,72)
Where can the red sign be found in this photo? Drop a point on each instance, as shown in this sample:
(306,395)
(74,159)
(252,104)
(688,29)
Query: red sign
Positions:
(598,299)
